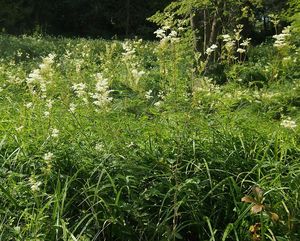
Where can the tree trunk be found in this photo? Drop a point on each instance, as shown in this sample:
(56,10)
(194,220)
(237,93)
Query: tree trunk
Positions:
(204,31)
(194,19)
(212,37)
(127,17)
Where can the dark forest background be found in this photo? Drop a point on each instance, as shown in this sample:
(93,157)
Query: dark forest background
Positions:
(85,18)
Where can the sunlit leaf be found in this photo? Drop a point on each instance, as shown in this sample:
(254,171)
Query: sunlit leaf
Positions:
(247,199)
(274,217)
(254,228)
(257,208)
(258,192)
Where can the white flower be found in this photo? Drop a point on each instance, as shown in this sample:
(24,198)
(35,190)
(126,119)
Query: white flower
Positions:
(78,67)
(158,103)
(214,46)
(28,105)
(229,45)
(72,107)
(101,97)
(286,30)
(99,147)
(240,50)
(131,144)
(129,50)
(288,123)
(246,42)
(211,49)
(43,87)
(137,75)
(34,76)
(49,59)
(54,132)
(79,89)
(34,185)
(102,83)
(49,103)
(161,95)
(160,33)
(164,38)
(19,53)
(18,129)
(173,34)
(46,113)
(148,95)
(85,100)
(226,37)
(48,156)
(281,39)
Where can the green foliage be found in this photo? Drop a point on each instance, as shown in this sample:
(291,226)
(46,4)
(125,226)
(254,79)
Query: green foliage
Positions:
(110,140)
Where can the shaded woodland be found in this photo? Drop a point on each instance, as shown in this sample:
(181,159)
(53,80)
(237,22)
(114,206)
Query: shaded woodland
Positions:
(88,18)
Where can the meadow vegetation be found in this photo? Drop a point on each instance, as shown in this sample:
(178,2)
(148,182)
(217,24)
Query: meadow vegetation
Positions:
(137,140)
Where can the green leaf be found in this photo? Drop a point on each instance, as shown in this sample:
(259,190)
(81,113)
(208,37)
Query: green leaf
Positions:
(9,196)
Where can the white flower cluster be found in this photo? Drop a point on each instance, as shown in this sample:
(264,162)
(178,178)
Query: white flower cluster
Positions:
(72,107)
(288,123)
(54,132)
(240,50)
(78,64)
(237,95)
(79,89)
(34,184)
(48,156)
(101,96)
(281,39)
(49,104)
(246,42)
(132,63)
(229,42)
(129,51)
(41,76)
(148,95)
(234,42)
(206,86)
(161,96)
(166,35)
(28,105)
(13,79)
(82,49)
(211,49)
(99,147)
(45,66)
(237,32)
(137,75)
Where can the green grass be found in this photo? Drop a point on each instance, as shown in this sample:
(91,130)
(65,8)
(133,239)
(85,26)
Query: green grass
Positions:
(173,166)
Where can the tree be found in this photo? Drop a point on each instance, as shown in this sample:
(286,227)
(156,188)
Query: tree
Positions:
(209,18)
(94,18)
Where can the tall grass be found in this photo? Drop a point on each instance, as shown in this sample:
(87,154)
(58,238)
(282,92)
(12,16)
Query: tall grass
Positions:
(100,157)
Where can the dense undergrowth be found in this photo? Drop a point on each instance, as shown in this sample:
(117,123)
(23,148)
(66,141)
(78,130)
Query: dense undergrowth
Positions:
(108,140)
